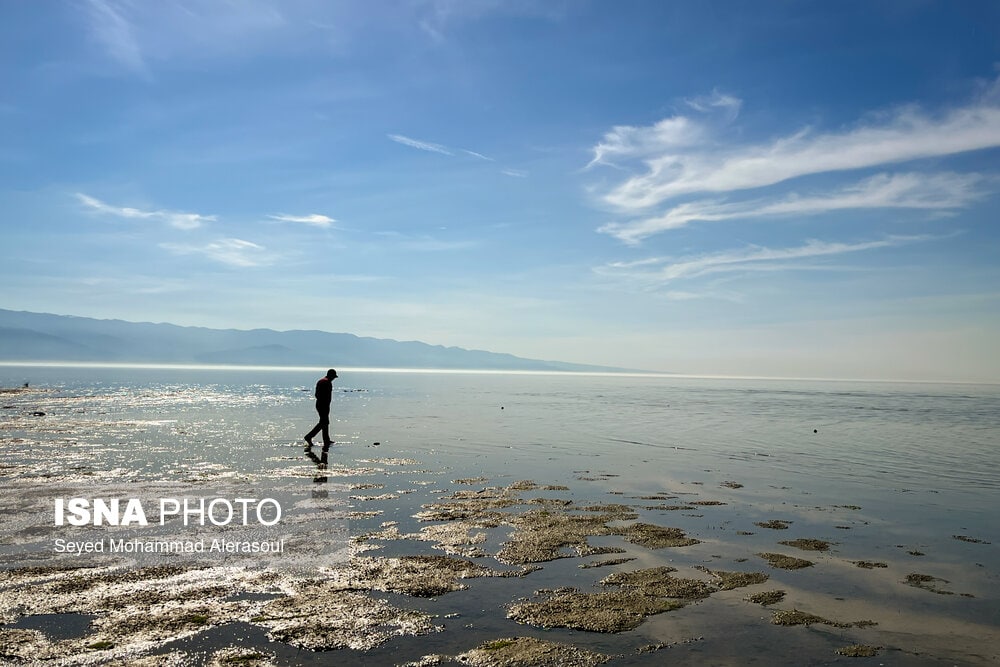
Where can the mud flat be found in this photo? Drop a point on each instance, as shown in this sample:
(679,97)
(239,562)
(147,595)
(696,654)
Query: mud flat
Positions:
(486,571)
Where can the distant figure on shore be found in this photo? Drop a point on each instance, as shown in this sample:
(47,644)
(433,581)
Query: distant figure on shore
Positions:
(324,393)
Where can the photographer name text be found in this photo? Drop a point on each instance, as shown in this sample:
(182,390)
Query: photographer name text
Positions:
(137,546)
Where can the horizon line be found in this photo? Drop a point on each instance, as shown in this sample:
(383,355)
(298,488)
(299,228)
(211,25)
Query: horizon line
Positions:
(472,371)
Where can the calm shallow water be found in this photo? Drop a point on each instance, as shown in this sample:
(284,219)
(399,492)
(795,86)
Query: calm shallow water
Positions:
(869,438)
(921,460)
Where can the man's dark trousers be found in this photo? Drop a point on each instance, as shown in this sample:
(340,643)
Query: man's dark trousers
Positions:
(324,423)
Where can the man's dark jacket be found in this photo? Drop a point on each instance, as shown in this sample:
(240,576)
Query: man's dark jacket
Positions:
(324,392)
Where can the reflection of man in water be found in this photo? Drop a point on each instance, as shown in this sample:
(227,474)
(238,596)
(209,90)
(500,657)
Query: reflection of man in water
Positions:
(324,392)
(320,477)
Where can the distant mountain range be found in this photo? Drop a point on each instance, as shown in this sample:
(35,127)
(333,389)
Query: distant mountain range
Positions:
(43,337)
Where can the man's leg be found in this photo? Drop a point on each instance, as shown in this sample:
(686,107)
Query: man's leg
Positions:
(312,433)
(324,422)
(322,425)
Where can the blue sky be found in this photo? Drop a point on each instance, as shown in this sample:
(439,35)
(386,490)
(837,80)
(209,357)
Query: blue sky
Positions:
(801,189)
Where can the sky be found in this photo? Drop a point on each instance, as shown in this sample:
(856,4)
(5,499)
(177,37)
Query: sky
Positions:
(779,189)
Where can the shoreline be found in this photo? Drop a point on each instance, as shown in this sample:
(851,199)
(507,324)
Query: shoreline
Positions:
(635,374)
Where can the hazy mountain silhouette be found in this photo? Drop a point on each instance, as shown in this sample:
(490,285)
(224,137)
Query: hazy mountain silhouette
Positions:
(28,336)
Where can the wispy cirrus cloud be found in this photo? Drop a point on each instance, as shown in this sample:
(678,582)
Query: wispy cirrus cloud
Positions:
(942,191)
(139,35)
(687,154)
(228,251)
(436,148)
(906,135)
(627,142)
(177,219)
(663,270)
(436,17)
(419,145)
(109,27)
(478,155)
(313,219)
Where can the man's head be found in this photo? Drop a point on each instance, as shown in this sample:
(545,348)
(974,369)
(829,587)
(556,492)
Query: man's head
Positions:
(331,374)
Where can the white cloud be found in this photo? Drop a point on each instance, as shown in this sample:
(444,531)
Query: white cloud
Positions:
(681,295)
(436,148)
(676,133)
(113,31)
(626,141)
(232,252)
(438,17)
(715,262)
(688,154)
(478,155)
(139,35)
(717,101)
(177,219)
(680,158)
(451,152)
(667,270)
(421,145)
(942,191)
(313,219)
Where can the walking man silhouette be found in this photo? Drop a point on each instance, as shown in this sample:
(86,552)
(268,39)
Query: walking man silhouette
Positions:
(324,393)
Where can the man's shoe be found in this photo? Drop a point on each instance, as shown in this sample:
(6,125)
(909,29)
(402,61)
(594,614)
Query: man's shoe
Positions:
(309,444)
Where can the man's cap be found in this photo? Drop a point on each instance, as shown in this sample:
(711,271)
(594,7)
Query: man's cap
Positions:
(331,373)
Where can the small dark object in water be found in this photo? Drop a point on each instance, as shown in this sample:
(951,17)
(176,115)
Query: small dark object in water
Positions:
(815,430)
(376,444)
(38,413)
